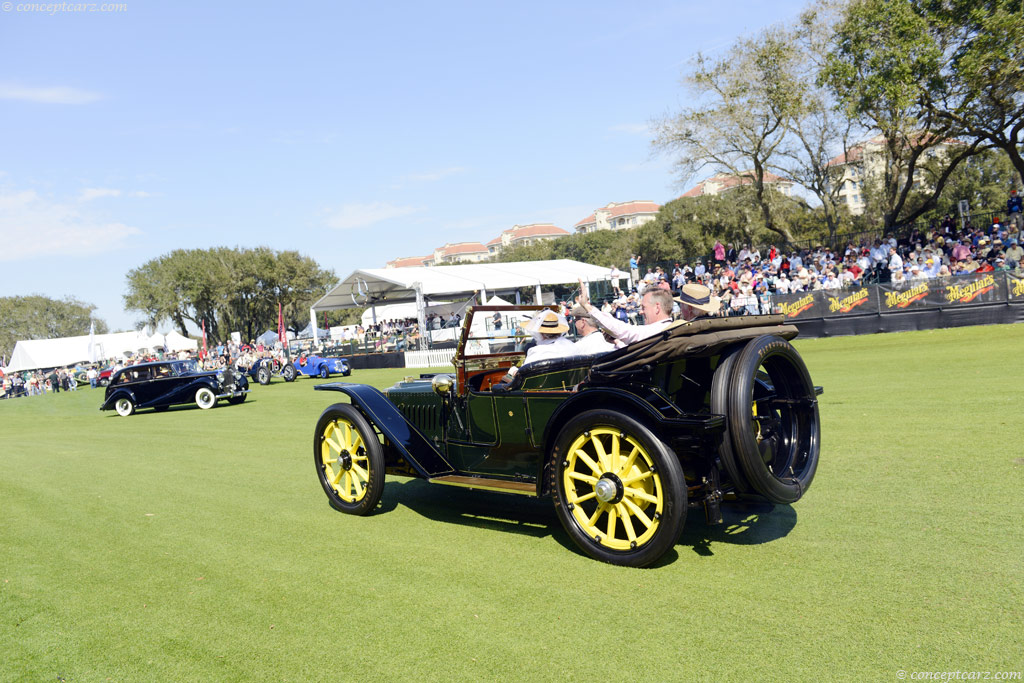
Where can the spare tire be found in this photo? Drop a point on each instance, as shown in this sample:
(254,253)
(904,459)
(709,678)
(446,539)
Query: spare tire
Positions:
(720,387)
(773,419)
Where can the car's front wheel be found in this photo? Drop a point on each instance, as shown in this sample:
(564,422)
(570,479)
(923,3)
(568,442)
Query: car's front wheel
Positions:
(124,406)
(263,375)
(205,398)
(619,490)
(349,459)
(235,400)
(288,373)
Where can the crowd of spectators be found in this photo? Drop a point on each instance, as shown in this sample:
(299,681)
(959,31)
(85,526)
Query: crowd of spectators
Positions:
(748,279)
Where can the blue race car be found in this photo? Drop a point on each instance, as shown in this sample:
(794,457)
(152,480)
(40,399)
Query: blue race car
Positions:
(316,366)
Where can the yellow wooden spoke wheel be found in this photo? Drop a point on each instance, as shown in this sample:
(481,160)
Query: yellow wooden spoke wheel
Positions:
(349,459)
(619,489)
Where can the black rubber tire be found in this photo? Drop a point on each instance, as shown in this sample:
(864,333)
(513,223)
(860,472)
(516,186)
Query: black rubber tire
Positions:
(778,445)
(583,515)
(367,461)
(205,398)
(720,384)
(263,375)
(235,400)
(324,372)
(124,406)
(289,373)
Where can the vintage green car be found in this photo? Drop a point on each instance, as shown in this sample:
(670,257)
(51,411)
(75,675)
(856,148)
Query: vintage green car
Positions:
(624,443)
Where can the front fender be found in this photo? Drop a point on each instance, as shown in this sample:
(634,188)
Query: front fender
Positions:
(416,448)
(127,393)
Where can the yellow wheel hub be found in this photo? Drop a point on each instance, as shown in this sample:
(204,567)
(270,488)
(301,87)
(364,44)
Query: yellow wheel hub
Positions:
(613,490)
(346,465)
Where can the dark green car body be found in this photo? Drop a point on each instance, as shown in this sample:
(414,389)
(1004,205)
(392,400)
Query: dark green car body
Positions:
(466,430)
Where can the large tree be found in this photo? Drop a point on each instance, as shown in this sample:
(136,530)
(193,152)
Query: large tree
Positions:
(746,100)
(226,289)
(885,64)
(981,92)
(39,317)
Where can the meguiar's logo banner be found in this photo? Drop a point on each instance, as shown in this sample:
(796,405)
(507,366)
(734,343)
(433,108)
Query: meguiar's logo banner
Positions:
(1015,286)
(852,302)
(800,305)
(914,295)
(981,289)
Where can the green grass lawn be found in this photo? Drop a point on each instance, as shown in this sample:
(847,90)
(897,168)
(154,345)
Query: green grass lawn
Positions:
(195,545)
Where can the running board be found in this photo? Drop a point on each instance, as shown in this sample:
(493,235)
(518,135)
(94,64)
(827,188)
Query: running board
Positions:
(487,484)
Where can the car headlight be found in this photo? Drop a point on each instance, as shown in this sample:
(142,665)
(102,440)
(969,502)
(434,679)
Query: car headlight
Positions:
(220,376)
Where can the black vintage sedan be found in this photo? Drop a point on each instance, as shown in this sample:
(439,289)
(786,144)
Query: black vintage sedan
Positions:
(166,383)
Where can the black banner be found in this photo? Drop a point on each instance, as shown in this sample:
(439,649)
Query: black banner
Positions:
(850,301)
(1015,287)
(911,296)
(986,288)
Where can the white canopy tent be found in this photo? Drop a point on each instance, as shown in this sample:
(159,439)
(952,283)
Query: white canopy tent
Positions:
(374,286)
(52,353)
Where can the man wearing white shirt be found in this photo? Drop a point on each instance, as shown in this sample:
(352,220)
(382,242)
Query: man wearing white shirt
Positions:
(549,332)
(591,341)
(657,309)
(895,260)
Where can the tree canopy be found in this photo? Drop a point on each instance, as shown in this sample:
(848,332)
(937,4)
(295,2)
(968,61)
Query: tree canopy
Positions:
(227,289)
(39,317)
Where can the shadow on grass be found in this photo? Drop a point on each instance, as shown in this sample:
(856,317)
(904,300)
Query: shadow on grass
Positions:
(743,523)
(178,407)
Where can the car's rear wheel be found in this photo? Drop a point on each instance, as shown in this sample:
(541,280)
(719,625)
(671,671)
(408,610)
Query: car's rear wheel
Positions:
(349,459)
(205,398)
(773,419)
(288,373)
(124,406)
(263,375)
(324,372)
(619,490)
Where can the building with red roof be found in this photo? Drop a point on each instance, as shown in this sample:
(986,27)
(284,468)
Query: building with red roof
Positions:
(723,182)
(619,216)
(460,252)
(408,261)
(524,235)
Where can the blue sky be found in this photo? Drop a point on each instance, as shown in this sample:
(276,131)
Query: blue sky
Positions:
(352,133)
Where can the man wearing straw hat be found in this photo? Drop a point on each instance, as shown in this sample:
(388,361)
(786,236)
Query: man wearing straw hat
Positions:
(695,301)
(548,329)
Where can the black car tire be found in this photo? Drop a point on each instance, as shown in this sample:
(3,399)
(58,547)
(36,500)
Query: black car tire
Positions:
(638,512)
(124,406)
(773,419)
(349,460)
(263,375)
(324,372)
(288,373)
(205,398)
(720,386)
(235,400)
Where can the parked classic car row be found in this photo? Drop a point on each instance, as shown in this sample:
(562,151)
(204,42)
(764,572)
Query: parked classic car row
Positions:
(624,444)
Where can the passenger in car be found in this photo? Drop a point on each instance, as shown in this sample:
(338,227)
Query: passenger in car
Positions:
(695,301)
(591,340)
(657,308)
(548,329)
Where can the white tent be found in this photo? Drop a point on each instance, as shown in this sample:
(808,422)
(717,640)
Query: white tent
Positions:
(177,342)
(375,286)
(52,353)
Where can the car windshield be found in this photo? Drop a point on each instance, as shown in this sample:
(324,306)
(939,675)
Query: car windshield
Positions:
(184,367)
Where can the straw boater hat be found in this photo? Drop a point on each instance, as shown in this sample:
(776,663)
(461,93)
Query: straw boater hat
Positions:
(552,323)
(699,297)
